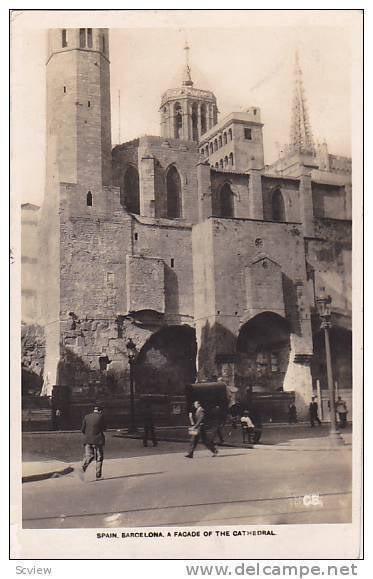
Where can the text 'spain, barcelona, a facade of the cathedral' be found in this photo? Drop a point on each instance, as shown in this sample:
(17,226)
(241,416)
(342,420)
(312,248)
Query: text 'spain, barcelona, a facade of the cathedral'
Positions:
(187,243)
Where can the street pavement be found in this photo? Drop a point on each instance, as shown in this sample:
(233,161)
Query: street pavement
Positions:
(298,478)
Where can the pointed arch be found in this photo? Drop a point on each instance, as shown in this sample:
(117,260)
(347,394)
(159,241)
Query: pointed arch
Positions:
(226,201)
(173,193)
(278,206)
(130,194)
(89,199)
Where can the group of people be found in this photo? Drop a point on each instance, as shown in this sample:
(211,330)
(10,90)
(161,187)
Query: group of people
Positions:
(340,408)
(93,428)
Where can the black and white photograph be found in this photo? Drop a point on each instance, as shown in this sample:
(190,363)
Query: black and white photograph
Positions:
(185,324)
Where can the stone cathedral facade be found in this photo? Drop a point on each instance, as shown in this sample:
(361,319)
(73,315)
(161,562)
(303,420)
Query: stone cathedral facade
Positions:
(187,243)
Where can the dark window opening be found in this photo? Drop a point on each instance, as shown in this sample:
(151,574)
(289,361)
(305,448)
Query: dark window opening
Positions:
(64,38)
(89,199)
(89,37)
(248,134)
(220,141)
(231,159)
(130,195)
(203,119)
(226,201)
(230,134)
(254,111)
(82,37)
(178,122)
(195,122)
(89,104)
(278,206)
(172,262)
(225,138)
(211,148)
(173,184)
(136,236)
(64,89)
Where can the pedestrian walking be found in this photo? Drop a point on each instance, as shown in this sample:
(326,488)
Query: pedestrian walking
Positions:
(314,412)
(341,408)
(93,428)
(148,422)
(292,414)
(217,423)
(198,432)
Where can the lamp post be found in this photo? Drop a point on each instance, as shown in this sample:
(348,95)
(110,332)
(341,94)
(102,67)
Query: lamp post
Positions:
(323,305)
(131,353)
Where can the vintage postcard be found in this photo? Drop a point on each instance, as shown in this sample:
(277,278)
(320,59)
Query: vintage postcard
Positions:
(186,304)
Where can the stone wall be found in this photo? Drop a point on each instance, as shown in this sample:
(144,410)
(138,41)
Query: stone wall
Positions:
(163,153)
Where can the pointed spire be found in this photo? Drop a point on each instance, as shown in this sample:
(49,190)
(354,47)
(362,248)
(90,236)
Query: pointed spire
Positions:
(187,79)
(301,134)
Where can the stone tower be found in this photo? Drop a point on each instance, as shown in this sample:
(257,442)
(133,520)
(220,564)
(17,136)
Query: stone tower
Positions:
(78,167)
(187,112)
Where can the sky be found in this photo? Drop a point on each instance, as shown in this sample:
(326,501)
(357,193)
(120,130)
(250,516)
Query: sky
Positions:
(246,59)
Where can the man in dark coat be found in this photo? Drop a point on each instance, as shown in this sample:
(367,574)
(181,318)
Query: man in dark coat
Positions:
(314,412)
(93,428)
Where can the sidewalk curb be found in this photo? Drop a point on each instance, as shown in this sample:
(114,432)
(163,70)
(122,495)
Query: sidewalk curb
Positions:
(48,474)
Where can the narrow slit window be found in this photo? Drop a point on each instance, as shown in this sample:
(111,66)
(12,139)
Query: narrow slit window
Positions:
(89,37)
(136,236)
(172,262)
(89,104)
(82,37)
(103,44)
(64,89)
(89,199)
(64,38)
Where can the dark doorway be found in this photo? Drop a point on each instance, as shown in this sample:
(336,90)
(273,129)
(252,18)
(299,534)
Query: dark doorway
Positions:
(263,346)
(167,362)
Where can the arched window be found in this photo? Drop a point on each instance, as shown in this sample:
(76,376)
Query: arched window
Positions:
(130,197)
(89,199)
(217,165)
(173,186)
(211,148)
(278,206)
(178,121)
(225,161)
(195,121)
(221,163)
(220,141)
(207,151)
(215,145)
(230,134)
(203,119)
(231,159)
(226,201)
(225,138)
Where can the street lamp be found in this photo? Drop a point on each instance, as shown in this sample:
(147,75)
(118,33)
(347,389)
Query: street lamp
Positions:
(323,305)
(131,353)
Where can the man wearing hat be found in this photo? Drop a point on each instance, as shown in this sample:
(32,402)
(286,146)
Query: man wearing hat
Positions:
(93,428)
